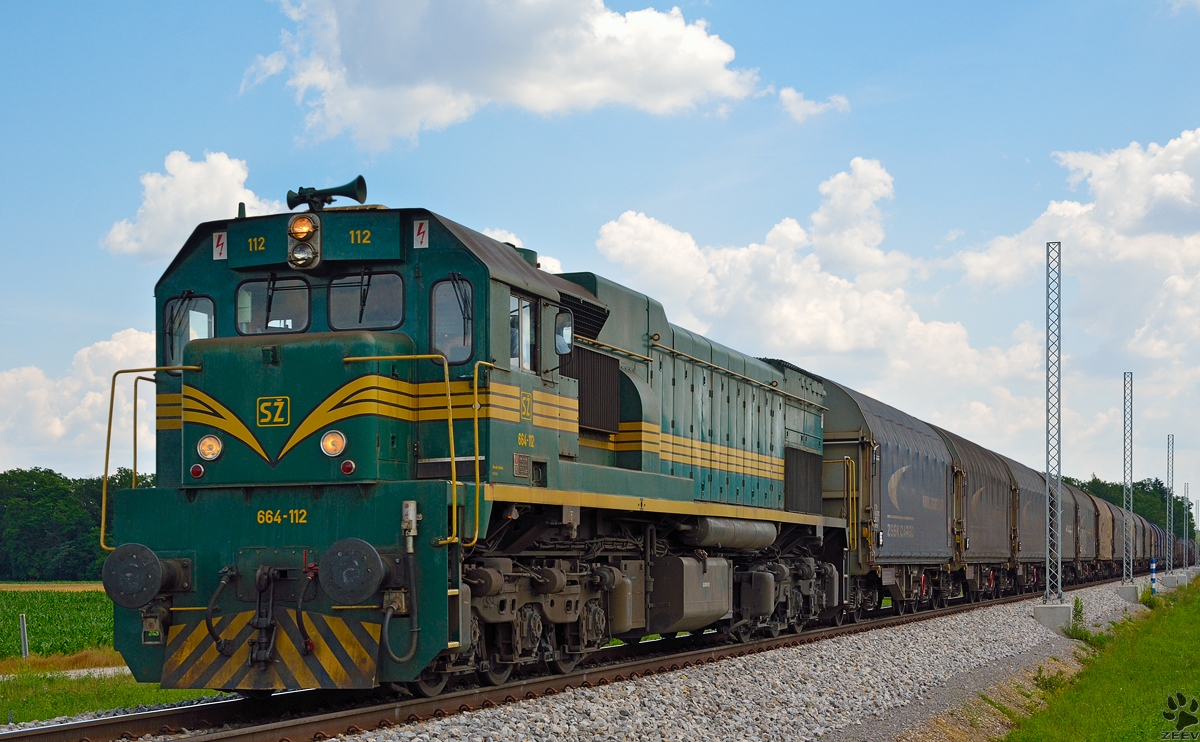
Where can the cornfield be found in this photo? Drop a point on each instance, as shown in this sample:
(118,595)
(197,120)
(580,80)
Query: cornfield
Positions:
(58,622)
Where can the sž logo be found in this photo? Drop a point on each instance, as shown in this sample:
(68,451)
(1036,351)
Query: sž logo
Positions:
(1183,711)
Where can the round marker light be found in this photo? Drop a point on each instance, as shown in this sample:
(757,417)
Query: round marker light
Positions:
(333,443)
(197,471)
(348,467)
(302,228)
(209,447)
(302,255)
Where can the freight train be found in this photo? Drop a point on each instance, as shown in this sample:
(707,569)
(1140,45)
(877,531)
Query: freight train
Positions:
(393,450)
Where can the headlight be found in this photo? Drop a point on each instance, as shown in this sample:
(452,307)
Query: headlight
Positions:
(333,443)
(302,228)
(302,255)
(209,447)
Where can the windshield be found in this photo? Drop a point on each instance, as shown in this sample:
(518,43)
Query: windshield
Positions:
(272,306)
(186,317)
(366,300)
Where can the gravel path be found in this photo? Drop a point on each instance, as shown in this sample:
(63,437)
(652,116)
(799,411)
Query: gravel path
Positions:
(798,693)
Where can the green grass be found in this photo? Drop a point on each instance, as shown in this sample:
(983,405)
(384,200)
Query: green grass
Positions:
(1121,692)
(31,696)
(58,622)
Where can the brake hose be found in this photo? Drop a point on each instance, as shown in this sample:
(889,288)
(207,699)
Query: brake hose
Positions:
(416,629)
(223,647)
(306,645)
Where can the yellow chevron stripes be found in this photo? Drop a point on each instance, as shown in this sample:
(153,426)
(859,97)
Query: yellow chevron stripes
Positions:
(344,654)
(169,411)
(202,409)
(555,413)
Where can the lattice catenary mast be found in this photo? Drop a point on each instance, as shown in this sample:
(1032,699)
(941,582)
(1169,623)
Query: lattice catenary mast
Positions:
(1127,505)
(1053,422)
(1170,502)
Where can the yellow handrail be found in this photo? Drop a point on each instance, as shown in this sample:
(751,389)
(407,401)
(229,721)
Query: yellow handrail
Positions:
(453,537)
(850,495)
(852,478)
(112,394)
(136,379)
(478,482)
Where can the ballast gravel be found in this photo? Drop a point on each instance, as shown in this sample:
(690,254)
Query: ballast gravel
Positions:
(799,693)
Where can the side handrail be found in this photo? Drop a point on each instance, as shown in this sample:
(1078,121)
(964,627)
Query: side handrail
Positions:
(136,379)
(849,498)
(112,394)
(453,537)
(478,479)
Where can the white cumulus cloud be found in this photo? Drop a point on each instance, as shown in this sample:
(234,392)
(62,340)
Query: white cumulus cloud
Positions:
(60,422)
(383,71)
(174,202)
(800,108)
(826,296)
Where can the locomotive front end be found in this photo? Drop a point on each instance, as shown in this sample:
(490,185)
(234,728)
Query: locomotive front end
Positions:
(291,541)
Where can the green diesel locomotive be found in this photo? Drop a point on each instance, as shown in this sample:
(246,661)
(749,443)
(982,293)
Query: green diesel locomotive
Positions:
(391,449)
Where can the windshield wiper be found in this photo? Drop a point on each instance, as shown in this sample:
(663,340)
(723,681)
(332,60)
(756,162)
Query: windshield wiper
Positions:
(364,288)
(270,298)
(178,315)
(462,293)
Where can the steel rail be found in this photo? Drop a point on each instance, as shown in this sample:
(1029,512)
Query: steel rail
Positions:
(208,716)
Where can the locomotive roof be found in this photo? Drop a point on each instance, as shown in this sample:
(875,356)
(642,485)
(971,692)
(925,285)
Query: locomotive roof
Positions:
(503,261)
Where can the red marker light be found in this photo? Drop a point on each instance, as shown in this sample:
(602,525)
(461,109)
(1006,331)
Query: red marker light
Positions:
(348,467)
(197,471)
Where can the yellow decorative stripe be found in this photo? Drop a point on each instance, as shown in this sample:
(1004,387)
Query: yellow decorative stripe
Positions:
(607,445)
(202,409)
(639,436)
(543,496)
(566,426)
(168,412)
(343,655)
(555,399)
(698,453)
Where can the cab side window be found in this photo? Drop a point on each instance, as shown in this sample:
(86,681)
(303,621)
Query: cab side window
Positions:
(185,317)
(453,318)
(522,328)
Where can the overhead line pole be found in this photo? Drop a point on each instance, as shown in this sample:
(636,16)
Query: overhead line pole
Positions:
(1127,505)
(1170,502)
(1053,422)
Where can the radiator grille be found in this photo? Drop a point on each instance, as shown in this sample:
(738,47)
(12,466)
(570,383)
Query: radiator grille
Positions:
(801,481)
(599,388)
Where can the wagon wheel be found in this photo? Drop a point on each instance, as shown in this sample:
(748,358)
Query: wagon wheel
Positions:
(838,618)
(566,664)
(742,634)
(497,674)
(855,615)
(429,684)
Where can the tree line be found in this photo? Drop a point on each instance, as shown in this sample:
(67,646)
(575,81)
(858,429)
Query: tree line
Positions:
(50,523)
(1150,501)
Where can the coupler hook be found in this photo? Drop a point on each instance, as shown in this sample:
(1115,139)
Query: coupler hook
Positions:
(264,620)
(306,644)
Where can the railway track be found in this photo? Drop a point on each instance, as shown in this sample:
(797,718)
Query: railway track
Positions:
(260,721)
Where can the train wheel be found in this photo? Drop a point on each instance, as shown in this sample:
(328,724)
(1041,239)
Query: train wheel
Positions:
(856,615)
(430,684)
(498,674)
(838,618)
(566,664)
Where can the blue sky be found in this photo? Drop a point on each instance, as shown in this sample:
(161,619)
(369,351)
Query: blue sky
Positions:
(924,254)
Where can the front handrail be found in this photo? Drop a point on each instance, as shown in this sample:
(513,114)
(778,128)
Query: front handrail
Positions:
(112,394)
(478,479)
(136,379)
(849,497)
(453,537)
